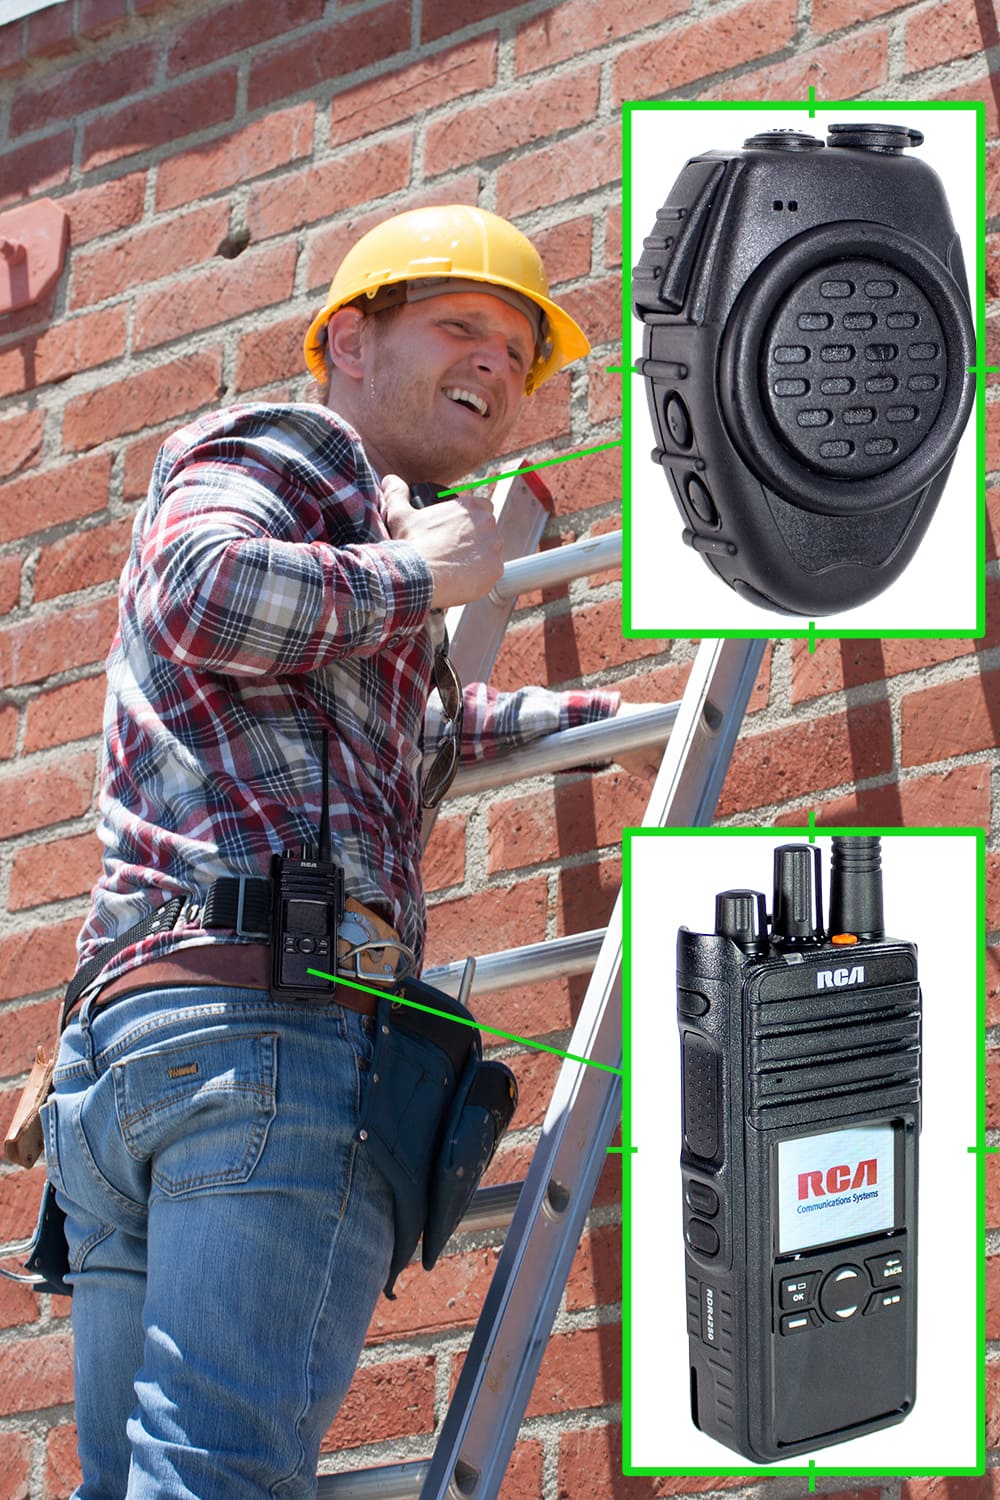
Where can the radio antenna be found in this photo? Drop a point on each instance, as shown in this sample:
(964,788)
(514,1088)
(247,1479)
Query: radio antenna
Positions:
(324,817)
(856,886)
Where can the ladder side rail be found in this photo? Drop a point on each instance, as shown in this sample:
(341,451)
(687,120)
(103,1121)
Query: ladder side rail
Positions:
(559,565)
(492,1392)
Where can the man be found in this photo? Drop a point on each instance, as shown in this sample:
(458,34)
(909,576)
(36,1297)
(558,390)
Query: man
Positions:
(227,1229)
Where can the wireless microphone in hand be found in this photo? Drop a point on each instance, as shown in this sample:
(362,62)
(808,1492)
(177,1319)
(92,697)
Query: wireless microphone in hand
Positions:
(801,1115)
(807,338)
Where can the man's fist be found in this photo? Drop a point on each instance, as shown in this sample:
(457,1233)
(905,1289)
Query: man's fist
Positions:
(458,539)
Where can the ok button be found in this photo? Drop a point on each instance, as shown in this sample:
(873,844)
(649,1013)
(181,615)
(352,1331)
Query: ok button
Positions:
(842,1293)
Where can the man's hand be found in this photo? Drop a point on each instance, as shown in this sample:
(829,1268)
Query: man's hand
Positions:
(458,539)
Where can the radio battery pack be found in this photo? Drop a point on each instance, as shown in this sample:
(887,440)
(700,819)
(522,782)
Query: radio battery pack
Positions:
(800,1060)
(806,349)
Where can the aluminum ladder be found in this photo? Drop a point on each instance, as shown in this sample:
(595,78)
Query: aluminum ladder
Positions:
(546,1212)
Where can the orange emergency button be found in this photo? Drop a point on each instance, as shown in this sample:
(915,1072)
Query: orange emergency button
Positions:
(843,938)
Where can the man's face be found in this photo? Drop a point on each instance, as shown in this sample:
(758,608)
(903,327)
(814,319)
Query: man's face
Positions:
(442,384)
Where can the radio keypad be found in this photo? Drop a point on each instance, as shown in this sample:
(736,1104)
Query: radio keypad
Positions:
(811,1298)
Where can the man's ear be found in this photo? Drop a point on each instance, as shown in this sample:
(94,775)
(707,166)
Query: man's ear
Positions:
(345,341)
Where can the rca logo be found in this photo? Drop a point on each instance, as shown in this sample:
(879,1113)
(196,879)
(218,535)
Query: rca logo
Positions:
(837,979)
(838,1179)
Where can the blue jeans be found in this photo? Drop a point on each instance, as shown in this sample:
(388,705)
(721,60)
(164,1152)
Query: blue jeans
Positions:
(228,1237)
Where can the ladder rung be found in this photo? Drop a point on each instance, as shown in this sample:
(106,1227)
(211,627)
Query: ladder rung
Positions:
(392,1482)
(492,1207)
(571,747)
(535,962)
(559,565)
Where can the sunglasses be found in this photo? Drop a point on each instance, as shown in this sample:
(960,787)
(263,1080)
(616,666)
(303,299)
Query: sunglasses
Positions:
(441,771)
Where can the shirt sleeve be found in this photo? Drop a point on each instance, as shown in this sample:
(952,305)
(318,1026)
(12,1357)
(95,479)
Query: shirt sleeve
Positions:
(235,571)
(493,721)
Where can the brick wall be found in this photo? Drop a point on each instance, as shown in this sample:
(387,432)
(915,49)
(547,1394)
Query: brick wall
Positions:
(211,186)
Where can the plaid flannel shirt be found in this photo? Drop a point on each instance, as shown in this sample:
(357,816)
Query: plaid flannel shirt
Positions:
(263,600)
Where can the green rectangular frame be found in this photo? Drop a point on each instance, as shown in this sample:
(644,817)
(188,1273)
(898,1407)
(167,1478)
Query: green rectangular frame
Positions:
(813,106)
(981,1148)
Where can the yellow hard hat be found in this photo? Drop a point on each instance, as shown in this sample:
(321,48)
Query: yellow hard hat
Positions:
(442,249)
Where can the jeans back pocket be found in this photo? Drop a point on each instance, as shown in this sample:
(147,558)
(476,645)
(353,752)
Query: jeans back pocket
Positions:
(198,1112)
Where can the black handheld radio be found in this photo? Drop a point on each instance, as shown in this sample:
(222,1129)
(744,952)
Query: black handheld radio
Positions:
(307,909)
(801,1114)
(807,338)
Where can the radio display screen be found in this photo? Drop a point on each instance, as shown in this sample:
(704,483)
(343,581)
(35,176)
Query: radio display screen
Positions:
(837,1185)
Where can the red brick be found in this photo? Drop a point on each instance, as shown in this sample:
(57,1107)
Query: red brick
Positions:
(604,397)
(565,818)
(227,289)
(10,582)
(50,31)
(830,15)
(34,649)
(194,44)
(32,961)
(578,1369)
(594,480)
(976,88)
(992,1403)
(139,459)
(328,246)
(149,254)
(567,647)
(11,47)
(184,385)
(35,796)
(270,353)
(992,266)
(992,892)
(531,1011)
(315,193)
(33,169)
(992,1200)
(590,1463)
(544,418)
(23,1030)
(313,62)
(511,917)
(586,160)
(839,664)
(63,351)
(992,986)
(273,142)
(992,1088)
(65,714)
(94,17)
(63,494)
(15,1464)
(54,872)
(595,1277)
(939,1488)
(451,1298)
(538,109)
(741,34)
(20,442)
(993,1296)
(524,1471)
(22,1191)
(405,92)
(571,29)
(952,719)
(160,120)
(77,562)
(438,17)
(385,1401)
(73,91)
(19,1306)
(102,209)
(36,1373)
(959,798)
(780,764)
(444,860)
(947,31)
(9,716)
(62,1466)
(587,895)
(565,249)
(840,69)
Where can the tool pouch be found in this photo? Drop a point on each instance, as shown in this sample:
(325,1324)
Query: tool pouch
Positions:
(23,1142)
(48,1254)
(430,1122)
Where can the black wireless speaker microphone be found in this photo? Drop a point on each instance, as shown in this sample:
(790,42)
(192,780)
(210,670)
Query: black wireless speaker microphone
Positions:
(801,1116)
(807,338)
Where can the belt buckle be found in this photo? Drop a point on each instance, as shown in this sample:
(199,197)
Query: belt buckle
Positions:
(362,938)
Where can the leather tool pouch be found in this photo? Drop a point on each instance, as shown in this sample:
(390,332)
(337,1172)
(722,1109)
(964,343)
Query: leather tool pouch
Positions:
(433,1116)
